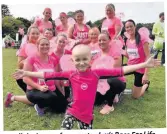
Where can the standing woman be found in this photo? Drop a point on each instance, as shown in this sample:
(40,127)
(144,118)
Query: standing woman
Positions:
(79,31)
(44,23)
(114,24)
(137,48)
(64,26)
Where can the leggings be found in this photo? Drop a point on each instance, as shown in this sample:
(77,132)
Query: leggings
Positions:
(69,120)
(116,87)
(52,99)
(22,85)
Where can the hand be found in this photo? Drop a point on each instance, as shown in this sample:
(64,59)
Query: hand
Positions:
(151,62)
(145,79)
(19,74)
(43,88)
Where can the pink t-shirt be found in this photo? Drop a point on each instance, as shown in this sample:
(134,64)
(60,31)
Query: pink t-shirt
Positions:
(40,66)
(109,25)
(28,49)
(136,53)
(42,25)
(60,28)
(80,34)
(53,45)
(84,85)
(94,49)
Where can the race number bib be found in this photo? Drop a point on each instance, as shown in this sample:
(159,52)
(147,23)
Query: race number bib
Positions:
(133,53)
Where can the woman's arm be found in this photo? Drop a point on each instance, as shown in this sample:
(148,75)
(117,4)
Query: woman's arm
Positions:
(20,62)
(70,31)
(118,29)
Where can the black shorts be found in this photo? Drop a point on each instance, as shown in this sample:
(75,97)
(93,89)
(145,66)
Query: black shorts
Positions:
(138,79)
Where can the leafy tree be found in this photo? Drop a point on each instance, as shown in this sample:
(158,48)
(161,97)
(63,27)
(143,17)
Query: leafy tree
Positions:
(10,25)
(26,23)
(5,10)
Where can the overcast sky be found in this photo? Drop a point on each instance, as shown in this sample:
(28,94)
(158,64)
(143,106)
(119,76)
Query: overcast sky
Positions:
(144,12)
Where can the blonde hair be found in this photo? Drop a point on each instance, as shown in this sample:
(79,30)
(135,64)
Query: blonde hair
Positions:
(111,6)
(29,30)
(40,38)
(61,34)
(94,29)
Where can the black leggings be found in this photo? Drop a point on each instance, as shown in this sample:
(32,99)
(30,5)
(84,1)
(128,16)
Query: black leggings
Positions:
(22,85)
(116,87)
(52,99)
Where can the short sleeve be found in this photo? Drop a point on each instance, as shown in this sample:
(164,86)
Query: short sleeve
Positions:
(22,52)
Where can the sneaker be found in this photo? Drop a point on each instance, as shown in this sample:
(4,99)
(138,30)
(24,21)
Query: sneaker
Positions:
(127,91)
(107,109)
(8,100)
(40,111)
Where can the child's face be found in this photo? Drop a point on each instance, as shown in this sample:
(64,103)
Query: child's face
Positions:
(93,35)
(48,34)
(61,42)
(33,35)
(103,41)
(130,28)
(81,59)
(44,46)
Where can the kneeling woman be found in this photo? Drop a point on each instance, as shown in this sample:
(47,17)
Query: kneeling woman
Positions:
(43,94)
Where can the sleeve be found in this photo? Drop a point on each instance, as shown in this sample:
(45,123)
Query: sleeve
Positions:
(22,52)
(115,72)
(57,75)
(118,22)
(154,30)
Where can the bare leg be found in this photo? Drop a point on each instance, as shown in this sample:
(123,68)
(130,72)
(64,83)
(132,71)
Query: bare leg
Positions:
(21,98)
(137,92)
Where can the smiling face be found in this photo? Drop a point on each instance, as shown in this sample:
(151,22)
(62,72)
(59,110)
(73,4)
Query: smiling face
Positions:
(110,12)
(48,34)
(103,41)
(33,35)
(93,35)
(61,42)
(43,46)
(47,13)
(79,17)
(81,56)
(130,28)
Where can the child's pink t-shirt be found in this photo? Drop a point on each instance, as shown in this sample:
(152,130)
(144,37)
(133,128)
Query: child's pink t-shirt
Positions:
(41,66)
(84,85)
(28,49)
(136,54)
(80,34)
(109,25)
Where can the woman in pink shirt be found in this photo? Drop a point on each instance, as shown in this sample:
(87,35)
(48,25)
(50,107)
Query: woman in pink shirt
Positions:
(137,48)
(79,31)
(112,24)
(44,23)
(115,85)
(84,84)
(64,26)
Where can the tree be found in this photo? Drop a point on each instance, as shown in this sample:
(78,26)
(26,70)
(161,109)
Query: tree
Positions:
(5,10)
(26,23)
(10,25)
(71,14)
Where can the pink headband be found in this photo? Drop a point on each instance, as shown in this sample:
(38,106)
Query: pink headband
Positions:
(63,14)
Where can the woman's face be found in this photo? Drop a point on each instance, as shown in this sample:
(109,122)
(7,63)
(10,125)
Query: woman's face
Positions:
(103,42)
(43,46)
(47,14)
(33,35)
(110,12)
(130,28)
(63,19)
(79,17)
(48,34)
(61,42)
(93,35)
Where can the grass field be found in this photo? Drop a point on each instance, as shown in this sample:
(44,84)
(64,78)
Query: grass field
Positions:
(146,112)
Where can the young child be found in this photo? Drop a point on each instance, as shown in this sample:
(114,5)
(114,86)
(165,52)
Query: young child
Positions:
(84,84)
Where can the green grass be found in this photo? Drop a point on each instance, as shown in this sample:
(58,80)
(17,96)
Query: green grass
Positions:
(146,112)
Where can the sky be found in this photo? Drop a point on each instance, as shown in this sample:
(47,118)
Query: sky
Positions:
(143,12)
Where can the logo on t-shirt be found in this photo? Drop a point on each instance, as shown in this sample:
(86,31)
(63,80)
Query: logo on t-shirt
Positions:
(84,86)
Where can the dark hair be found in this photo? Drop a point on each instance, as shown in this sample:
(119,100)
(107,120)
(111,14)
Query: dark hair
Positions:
(79,11)
(161,14)
(137,35)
